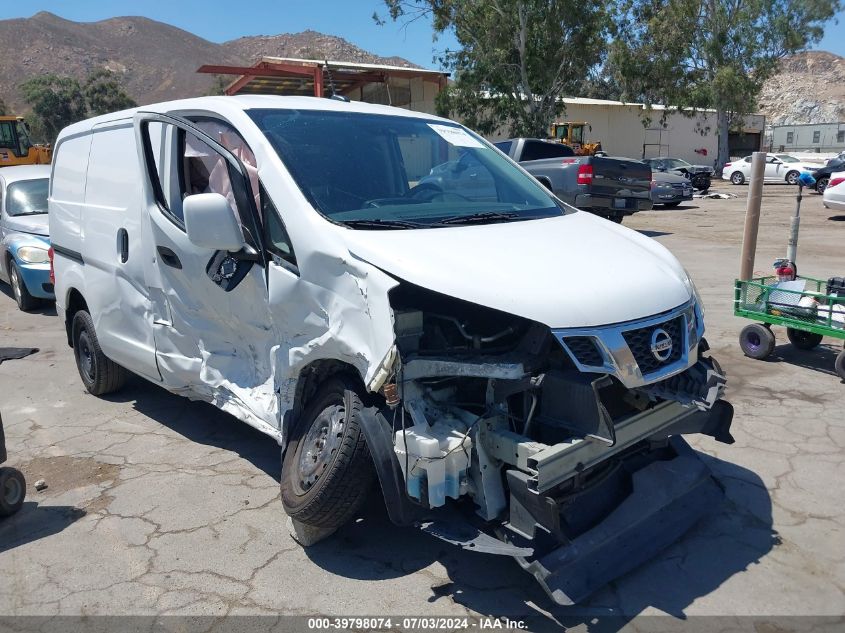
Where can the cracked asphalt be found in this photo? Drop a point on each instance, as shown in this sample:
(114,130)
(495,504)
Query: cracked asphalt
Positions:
(159,505)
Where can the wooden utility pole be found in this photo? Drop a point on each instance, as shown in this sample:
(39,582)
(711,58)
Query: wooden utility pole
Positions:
(752,215)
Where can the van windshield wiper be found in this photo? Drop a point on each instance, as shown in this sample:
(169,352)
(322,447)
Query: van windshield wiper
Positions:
(380,223)
(486,216)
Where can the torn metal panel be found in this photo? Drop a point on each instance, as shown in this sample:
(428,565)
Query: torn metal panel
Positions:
(349,320)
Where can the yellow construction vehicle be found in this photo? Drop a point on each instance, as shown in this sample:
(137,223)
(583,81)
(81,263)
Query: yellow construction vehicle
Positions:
(16,146)
(572,133)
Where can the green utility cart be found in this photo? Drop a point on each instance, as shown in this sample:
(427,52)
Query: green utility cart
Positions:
(808,314)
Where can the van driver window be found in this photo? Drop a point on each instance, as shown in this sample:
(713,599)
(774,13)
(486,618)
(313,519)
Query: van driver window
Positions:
(226,135)
(205,171)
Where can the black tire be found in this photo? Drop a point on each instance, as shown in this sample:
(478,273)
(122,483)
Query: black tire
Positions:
(792,177)
(617,218)
(25,301)
(802,339)
(737,178)
(327,470)
(12,491)
(757,341)
(670,205)
(821,184)
(839,364)
(99,374)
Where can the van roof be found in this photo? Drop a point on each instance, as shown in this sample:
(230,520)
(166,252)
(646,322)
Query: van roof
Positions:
(24,172)
(227,104)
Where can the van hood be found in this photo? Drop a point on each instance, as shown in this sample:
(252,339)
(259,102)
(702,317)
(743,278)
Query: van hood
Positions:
(576,270)
(36,224)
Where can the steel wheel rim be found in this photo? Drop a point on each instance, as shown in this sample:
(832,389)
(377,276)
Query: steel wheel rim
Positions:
(792,179)
(86,356)
(318,446)
(736,179)
(12,491)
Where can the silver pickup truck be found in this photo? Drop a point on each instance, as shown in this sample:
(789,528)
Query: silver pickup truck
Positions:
(609,187)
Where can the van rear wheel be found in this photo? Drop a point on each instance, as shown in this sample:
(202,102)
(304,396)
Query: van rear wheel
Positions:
(327,470)
(99,374)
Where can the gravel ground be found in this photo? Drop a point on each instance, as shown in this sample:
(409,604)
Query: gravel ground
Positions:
(158,505)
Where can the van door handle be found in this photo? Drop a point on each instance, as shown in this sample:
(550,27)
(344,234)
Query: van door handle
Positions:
(123,245)
(169,258)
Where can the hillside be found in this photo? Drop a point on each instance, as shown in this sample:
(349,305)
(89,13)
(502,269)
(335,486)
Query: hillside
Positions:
(157,61)
(306,45)
(810,88)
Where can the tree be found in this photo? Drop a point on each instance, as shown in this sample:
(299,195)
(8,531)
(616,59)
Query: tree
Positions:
(103,93)
(218,86)
(2,107)
(517,58)
(715,54)
(56,102)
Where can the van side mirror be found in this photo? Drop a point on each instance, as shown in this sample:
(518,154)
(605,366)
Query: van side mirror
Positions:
(211,223)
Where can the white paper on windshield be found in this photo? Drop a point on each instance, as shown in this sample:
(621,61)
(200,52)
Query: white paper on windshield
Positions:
(455,136)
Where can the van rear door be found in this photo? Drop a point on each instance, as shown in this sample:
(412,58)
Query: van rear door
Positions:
(216,333)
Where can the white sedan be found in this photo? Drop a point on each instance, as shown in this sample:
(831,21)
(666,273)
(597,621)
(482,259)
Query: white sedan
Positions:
(834,193)
(779,168)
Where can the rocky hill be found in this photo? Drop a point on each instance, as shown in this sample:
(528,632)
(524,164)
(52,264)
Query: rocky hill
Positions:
(809,88)
(156,61)
(306,45)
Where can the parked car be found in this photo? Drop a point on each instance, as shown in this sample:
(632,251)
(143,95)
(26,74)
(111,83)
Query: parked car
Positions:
(823,174)
(699,175)
(608,187)
(24,240)
(779,168)
(834,192)
(670,189)
(516,373)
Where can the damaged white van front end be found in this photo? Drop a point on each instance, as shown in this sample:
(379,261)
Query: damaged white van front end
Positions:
(517,374)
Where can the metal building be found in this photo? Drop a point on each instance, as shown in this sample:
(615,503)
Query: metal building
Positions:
(809,137)
(404,87)
(632,130)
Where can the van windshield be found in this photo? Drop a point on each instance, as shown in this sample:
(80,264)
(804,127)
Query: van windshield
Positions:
(375,171)
(27,197)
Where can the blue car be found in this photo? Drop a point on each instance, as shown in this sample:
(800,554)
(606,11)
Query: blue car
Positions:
(24,234)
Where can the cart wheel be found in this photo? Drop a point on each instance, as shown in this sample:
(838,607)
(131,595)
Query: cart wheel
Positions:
(12,491)
(757,341)
(802,339)
(839,364)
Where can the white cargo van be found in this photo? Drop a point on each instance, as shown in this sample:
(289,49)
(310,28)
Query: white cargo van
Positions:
(516,373)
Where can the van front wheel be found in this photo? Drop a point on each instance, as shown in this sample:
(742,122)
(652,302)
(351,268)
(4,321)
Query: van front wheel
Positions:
(99,374)
(327,470)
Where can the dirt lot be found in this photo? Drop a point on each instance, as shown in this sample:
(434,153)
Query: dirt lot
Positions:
(159,505)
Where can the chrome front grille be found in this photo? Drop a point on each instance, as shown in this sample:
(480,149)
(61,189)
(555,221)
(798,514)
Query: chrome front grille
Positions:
(640,343)
(638,352)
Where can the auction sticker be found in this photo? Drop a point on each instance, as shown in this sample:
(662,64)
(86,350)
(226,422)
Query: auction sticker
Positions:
(455,135)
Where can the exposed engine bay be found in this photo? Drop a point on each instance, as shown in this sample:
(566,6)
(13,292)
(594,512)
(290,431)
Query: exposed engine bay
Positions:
(497,416)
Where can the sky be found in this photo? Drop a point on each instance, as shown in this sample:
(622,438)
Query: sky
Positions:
(220,21)
(351,19)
